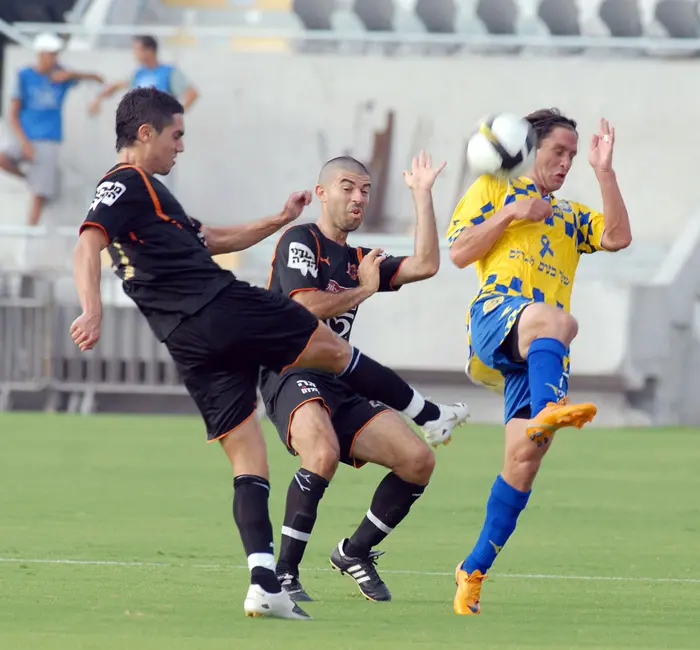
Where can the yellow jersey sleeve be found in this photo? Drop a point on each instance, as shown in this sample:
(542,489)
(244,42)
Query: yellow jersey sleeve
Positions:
(479,203)
(590,227)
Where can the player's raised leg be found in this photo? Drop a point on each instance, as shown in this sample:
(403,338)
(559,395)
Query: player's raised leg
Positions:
(245,448)
(327,351)
(388,441)
(312,437)
(544,334)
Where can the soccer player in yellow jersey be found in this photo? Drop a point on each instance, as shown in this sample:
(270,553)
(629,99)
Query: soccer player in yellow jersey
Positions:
(526,244)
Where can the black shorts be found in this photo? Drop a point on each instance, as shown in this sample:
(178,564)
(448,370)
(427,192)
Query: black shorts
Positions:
(219,350)
(350,413)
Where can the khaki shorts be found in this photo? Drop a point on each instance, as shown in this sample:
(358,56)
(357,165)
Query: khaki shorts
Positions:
(42,172)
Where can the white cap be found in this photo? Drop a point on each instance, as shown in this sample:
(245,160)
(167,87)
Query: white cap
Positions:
(48,42)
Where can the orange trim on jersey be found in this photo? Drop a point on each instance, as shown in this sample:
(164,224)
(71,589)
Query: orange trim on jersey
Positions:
(291,293)
(360,254)
(94,225)
(355,461)
(306,347)
(393,277)
(318,246)
(238,426)
(318,398)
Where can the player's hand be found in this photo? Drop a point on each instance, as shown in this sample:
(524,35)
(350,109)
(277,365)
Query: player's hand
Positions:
(602,144)
(85,331)
(28,150)
(422,175)
(532,209)
(295,205)
(368,271)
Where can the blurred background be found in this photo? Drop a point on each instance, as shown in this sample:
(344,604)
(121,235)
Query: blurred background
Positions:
(279,87)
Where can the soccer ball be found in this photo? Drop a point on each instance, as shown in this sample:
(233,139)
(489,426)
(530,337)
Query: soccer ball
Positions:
(502,145)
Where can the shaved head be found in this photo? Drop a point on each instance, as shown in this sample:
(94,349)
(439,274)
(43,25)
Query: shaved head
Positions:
(343,188)
(332,168)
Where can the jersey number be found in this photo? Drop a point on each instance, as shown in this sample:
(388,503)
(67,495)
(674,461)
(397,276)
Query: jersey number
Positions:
(342,325)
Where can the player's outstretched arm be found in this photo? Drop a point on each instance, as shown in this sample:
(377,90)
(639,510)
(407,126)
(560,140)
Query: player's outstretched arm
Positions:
(326,304)
(85,330)
(71,75)
(618,232)
(425,261)
(231,239)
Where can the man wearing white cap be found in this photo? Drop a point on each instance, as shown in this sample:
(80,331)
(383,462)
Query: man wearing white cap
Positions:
(35,121)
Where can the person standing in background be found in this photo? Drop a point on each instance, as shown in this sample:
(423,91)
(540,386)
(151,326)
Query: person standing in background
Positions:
(36,122)
(164,77)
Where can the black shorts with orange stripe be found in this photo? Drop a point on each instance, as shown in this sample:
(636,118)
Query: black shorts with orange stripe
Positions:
(350,413)
(220,349)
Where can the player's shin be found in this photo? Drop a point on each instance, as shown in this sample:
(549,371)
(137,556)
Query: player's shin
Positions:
(305,492)
(391,503)
(377,382)
(502,510)
(547,379)
(251,514)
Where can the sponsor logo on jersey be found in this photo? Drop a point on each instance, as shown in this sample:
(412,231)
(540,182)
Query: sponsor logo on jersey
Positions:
(107,193)
(301,257)
(334,287)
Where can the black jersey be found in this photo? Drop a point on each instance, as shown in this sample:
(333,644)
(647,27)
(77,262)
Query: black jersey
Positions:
(157,251)
(306,260)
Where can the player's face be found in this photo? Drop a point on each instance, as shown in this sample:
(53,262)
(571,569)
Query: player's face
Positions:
(47,61)
(555,157)
(142,54)
(346,199)
(166,145)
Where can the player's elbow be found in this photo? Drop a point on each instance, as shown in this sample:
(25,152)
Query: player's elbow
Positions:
(429,269)
(618,243)
(459,258)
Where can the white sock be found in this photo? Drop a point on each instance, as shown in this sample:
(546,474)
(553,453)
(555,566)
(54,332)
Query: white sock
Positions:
(264,560)
(416,406)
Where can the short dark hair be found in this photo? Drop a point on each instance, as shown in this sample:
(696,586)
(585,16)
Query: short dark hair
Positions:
(149,42)
(342,162)
(144,106)
(546,119)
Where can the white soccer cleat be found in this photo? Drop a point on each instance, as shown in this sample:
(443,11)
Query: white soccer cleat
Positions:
(439,432)
(259,602)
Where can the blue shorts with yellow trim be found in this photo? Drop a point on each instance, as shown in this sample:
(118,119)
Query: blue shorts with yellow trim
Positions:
(491,319)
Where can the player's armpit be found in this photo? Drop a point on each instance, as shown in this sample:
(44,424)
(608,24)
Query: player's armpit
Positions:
(324,304)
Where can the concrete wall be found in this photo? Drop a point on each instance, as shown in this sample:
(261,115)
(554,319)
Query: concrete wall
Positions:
(265,123)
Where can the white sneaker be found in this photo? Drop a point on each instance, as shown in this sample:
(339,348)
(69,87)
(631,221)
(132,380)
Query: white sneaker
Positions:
(259,602)
(439,432)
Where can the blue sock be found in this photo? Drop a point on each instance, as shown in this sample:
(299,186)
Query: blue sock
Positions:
(545,363)
(502,510)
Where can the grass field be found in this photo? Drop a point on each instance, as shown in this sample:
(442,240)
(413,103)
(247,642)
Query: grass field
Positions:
(607,554)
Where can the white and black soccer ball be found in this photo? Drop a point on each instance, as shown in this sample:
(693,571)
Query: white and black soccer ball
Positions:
(502,145)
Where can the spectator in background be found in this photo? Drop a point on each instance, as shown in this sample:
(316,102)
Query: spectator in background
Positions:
(36,121)
(162,76)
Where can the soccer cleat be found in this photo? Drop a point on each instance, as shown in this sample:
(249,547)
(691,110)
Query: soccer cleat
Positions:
(468,596)
(439,432)
(557,415)
(290,583)
(259,602)
(362,571)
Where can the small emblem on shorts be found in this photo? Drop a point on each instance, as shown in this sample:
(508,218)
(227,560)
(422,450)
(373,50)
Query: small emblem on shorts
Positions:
(491,304)
(306,386)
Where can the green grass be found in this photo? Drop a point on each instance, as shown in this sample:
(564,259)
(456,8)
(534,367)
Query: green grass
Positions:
(621,504)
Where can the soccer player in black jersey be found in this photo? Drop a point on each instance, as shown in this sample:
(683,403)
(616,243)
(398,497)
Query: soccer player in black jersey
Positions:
(218,330)
(320,417)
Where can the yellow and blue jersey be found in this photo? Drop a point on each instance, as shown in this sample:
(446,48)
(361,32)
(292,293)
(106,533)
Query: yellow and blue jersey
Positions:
(533,261)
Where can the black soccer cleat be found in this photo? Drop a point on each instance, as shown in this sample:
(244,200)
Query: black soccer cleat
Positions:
(290,583)
(362,571)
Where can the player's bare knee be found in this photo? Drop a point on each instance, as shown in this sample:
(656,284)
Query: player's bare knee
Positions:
(322,460)
(327,352)
(541,320)
(312,436)
(417,467)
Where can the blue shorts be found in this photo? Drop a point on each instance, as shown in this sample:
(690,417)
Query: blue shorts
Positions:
(492,319)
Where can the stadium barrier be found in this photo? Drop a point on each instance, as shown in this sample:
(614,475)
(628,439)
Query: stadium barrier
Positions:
(637,354)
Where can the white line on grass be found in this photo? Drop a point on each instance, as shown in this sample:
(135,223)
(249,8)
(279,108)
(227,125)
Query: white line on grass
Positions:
(170,565)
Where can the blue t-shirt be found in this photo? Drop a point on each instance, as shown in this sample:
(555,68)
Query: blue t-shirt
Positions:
(166,78)
(41,113)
